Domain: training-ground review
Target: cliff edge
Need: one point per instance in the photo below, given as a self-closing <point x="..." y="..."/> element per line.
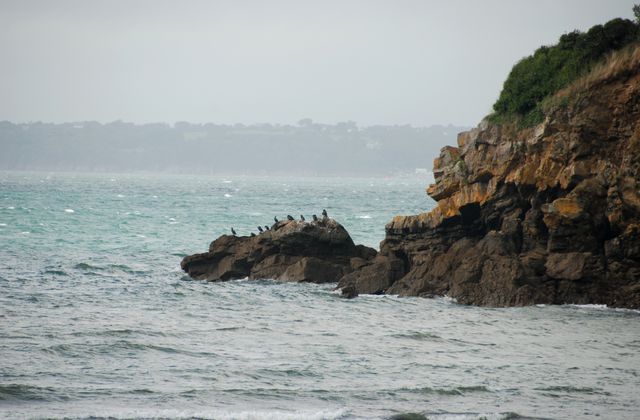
<point x="546" y="214"/>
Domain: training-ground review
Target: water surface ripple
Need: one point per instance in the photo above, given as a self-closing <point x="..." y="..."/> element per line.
<point x="97" y="320"/>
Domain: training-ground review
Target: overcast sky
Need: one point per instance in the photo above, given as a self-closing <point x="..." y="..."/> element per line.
<point x="374" y="62"/>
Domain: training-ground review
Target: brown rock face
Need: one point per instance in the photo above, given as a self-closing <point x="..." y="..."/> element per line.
<point x="549" y="214"/>
<point x="317" y="252"/>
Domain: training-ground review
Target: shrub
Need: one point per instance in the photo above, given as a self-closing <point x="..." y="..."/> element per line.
<point x="551" y="68"/>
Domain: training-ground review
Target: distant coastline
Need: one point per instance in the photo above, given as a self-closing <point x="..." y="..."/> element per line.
<point x="306" y="148"/>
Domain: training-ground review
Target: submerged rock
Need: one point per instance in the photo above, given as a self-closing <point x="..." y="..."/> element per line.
<point x="549" y="214"/>
<point x="319" y="252"/>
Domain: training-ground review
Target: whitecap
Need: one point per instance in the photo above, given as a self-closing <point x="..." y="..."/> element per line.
<point x="449" y="299"/>
<point x="3" y="224"/>
<point x="228" y="195"/>
<point x="120" y="196"/>
<point x="69" y="211"/>
<point x="590" y="306"/>
<point x="226" y="181"/>
<point x="11" y="208"/>
<point x="364" y="216"/>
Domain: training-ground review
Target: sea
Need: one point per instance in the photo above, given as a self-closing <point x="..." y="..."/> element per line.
<point x="98" y="321"/>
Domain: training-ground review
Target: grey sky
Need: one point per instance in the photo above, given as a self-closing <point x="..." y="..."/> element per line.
<point x="374" y="62"/>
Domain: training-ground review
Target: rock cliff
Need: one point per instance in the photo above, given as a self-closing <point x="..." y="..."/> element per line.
<point x="548" y="214"/>
<point x="319" y="252"/>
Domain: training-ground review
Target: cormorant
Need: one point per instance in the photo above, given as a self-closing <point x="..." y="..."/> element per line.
<point x="233" y="232"/>
<point x="275" y="219"/>
<point x="324" y="213"/>
<point x="253" y="234"/>
<point x="289" y="217"/>
<point x="315" y="218"/>
<point x="260" y="229"/>
<point x="267" y="227"/>
<point x="302" y="218"/>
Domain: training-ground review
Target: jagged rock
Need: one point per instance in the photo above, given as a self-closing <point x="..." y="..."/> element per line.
<point x="549" y="214"/>
<point x="319" y="252"/>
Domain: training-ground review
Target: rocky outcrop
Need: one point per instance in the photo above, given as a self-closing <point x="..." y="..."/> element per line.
<point x="319" y="252"/>
<point x="549" y="214"/>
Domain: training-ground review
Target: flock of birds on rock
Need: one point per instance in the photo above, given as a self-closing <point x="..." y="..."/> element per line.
<point x="289" y="218"/>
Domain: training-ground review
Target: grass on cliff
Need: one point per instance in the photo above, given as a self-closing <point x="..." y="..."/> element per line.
<point x="535" y="79"/>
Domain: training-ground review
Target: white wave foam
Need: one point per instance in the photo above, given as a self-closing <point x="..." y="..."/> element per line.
<point x="3" y="224"/>
<point x="449" y="299"/>
<point x="364" y="216"/>
<point x="120" y="196"/>
<point x="590" y="306"/>
<point x="226" y="181"/>
<point x="601" y="307"/>
<point x="11" y="208"/>
<point x="228" y="195"/>
<point x="69" y="211"/>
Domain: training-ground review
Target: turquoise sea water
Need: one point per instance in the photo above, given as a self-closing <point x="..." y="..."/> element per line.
<point x="97" y="320"/>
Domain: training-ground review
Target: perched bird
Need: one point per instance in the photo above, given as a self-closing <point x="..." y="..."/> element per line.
<point x="315" y="218"/>
<point x="233" y="232"/>
<point x="267" y="227"/>
<point x="289" y="217"/>
<point x="302" y="218"/>
<point x="275" y="219"/>
<point x="253" y="234"/>
<point x="324" y="213"/>
<point x="260" y="229"/>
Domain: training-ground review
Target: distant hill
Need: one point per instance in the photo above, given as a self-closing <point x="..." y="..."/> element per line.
<point x="306" y="148"/>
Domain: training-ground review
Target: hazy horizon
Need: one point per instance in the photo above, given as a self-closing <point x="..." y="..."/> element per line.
<point x="377" y="63"/>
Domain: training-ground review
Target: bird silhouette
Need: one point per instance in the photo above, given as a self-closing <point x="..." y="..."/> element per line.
<point x="260" y="229"/>
<point x="275" y="219"/>
<point x="253" y="234"/>
<point x="301" y="218"/>
<point x="233" y="232"/>
<point x="324" y="213"/>
<point x="289" y="217"/>
<point x="267" y="227"/>
<point x="315" y="218"/>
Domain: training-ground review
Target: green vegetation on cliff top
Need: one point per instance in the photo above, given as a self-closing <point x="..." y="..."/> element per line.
<point x="552" y="68"/>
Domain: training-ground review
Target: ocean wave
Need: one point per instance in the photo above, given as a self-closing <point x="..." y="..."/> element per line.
<point x="459" y="390"/>
<point x="55" y="272"/>
<point x="568" y="389"/>
<point x="24" y="392"/>
<point x="126" y="414"/>
<point x="111" y="268"/>
<point x="419" y="335"/>
<point x="600" y="307"/>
